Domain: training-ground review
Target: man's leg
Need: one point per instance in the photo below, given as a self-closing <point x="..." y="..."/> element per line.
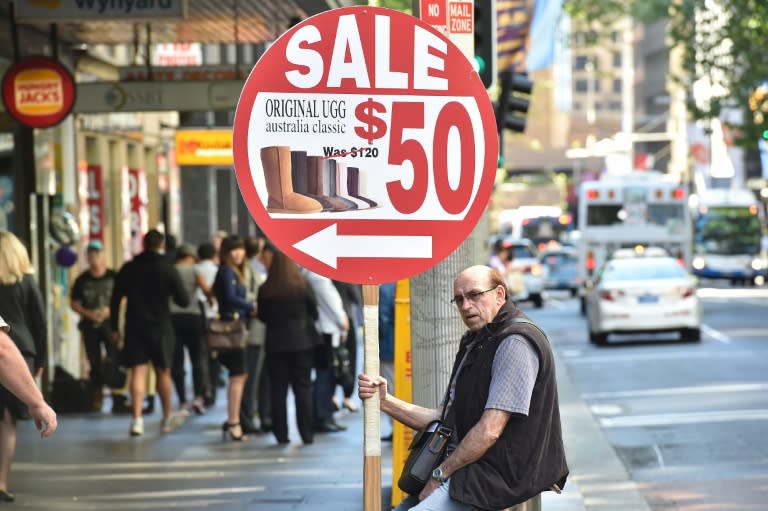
<point x="164" y="385"/>
<point x="439" y="500"/>
<point x="92" y="342"/>
<point x="138" y="387"/>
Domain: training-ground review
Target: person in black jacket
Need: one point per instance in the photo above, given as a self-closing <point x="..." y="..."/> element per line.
<point x="501" y="404"/>
<point x="287" y="306"/>
<point x="21" y="305"/>
<point x="148" y="282"/>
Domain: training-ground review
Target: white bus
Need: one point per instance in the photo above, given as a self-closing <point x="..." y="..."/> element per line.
<point x="727" y="236"/>
<point x="624" y="211"/>
<point x="540" y="224"/>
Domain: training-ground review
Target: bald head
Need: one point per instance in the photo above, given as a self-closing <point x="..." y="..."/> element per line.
<point x="479" y="292"/>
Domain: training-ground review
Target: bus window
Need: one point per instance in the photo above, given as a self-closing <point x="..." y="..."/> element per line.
<point x="604" y="214"/>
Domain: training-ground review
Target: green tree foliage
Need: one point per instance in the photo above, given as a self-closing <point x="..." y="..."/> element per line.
<point x="699" y="27"/>
<point x="398" y="5"/>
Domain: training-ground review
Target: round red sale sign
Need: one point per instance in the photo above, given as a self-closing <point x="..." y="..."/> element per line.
<point x="365" y="145"/>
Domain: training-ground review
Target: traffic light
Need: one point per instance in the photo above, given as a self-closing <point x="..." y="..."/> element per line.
<point x="765" y="134"/>
<point x="485" y="41"/>
<point x="514" y="100"/>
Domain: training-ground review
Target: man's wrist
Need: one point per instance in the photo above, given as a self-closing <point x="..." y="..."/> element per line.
<point x="439" y="475"/>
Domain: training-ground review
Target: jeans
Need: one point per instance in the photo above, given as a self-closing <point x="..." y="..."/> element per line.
<point x="325" y="383"/>
<point x="438" y="501"/>
<point x="188" y="329"/>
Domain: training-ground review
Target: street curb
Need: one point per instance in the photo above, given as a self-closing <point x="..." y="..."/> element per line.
<point x="596" y="470"/>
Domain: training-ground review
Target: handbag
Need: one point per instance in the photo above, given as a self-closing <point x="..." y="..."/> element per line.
<point x="226" y="335"/>
<point x="114" y="374"/>
<point x="426" y="452"/>
<point x="342" y="367"/>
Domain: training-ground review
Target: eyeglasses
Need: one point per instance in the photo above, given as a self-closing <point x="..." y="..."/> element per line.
<point x="472" y="296"/>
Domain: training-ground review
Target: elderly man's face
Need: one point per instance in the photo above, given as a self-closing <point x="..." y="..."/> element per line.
<point x="476" y="298"/>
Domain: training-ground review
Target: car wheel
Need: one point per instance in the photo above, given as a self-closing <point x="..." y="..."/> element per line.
<point x="598" y="339"/>
<point x="537" y="300"/>
<point x="690" y="335"/>
<point x="574" y="292"/>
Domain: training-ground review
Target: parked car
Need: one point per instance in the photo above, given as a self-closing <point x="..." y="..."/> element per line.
<point x="559" y="268"/>
<point x="642" y="295"/>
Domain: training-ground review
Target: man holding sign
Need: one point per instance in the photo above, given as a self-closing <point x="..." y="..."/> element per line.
<point x="501" y="405"/>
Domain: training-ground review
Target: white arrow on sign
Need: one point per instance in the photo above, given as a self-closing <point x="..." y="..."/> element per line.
<point x="326" y="246"/>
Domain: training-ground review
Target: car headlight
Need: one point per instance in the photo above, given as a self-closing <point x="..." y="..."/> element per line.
<point x="698" y="263"/>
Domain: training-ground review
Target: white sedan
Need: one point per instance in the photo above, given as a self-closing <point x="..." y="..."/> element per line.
<point x="643" y="295"/>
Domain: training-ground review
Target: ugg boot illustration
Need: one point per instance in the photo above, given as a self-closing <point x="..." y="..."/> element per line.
<point x="277" y="175"/>
<point x="300" y="179"/>
<point x="341" y="186"/>
<point x="315" y="184"/>
<point x="330" y="186"/>
<point x="353" y="186"/>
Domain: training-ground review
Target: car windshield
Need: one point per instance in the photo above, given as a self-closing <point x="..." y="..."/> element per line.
<point x="642" y="269"/>
<point x="555" y="259"/>
<point x="521" y="252"/>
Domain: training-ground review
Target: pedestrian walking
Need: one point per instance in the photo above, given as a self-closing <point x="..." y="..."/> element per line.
<point x="208" y="268"/>
<point x="90" y="298"/>
<point x="230" y="290"/>
<point x="255" y="275"/>
<point x="148" y="282"/>
<point x="189" y="329"/>
<point x="501" y="404"/>
<point x="352" y="299"/>
<point x="333" y="326"/>
<point x="21" y="305"/>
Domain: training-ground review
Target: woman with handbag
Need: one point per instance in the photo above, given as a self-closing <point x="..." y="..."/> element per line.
<point x="235" y="310"/>
<point x="21" y="305"/>
<point x="287" y="306"/>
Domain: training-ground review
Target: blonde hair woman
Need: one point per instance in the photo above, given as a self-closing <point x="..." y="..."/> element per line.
<point x="21" y="306"/>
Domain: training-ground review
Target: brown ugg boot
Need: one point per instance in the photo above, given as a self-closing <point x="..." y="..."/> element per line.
<point x="277" y="175"/>
<point x="300" y="178"/>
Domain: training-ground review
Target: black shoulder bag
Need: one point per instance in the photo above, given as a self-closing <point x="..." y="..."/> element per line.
<point x="426" y="452"/>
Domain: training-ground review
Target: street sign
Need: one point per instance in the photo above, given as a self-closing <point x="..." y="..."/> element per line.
<point x="365" y="145"/>
<point x="38" y="91"/>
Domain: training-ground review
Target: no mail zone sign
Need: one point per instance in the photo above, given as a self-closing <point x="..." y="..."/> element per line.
<point x="365" y="145"/>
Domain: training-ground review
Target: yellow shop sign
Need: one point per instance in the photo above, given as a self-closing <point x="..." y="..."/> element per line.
<point x="204" y="147"/>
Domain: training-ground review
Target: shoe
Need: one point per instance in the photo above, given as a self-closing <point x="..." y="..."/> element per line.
<point x="349" y="405"/>
<point x="329" y="427"/>
<point x="198" y="406"/>
<point x="6" y="496"/>
<point x="173" y="421"/>
<point x="387" y="438"/>
<point x="137" y="427"/>
<point x="249" y="427"/>
<point x="149" y="405"/>
<point x="227" y="428"/>
<point x="120" y="405"/>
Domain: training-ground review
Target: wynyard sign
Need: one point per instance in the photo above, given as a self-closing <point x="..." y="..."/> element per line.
<point x="81" y="10"/>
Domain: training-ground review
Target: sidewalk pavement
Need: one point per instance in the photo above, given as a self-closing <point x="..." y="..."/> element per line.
<point x="91" y="463"/>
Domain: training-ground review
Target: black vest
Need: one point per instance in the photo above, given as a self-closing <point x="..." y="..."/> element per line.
<point x="529" y="456"/>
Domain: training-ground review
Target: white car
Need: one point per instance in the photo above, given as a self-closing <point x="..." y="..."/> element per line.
<point x="525" y="268"/>
<point x="643" y="295"/>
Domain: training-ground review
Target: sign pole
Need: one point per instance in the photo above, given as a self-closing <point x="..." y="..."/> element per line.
<point x="371" y="407"/>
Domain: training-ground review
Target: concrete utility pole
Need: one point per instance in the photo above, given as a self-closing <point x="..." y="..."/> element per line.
<point x="435" y="325"/>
